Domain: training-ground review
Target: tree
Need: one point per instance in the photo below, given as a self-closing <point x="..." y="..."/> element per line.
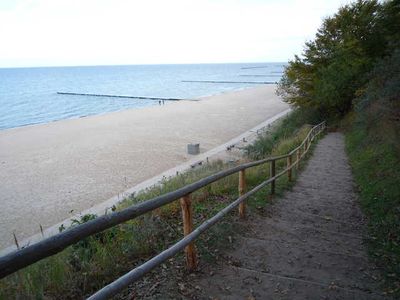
<point x="334" y="65"/>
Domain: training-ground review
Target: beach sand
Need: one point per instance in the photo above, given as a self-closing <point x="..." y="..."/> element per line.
<point x="53" y="171"/>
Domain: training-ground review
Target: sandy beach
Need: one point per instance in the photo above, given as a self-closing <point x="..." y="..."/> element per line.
<point x="53" y="171"/>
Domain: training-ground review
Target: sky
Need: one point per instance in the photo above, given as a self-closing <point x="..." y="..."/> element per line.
<point x="118" y="32"/>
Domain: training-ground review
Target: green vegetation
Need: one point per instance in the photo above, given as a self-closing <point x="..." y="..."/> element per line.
<point x="350" y="75"/>
<point x="88" y="265"/>
<point x="373" y="144"/>
<point x="334" y="66"/>
<point x="267" y="143"/>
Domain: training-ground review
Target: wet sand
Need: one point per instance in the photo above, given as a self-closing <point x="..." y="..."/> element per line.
<point x="53" y="171"/>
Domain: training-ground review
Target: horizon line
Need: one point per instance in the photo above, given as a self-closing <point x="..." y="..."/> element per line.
<point x="144" y="64"/>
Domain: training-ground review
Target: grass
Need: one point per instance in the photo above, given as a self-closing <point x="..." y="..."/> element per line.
<point x="88" y="265"/>
<point x="373" y="145"/>
<point x="285" y="131"/>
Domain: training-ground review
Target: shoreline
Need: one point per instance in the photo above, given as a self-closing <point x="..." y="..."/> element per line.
<point x="56" y="171"/>
<point x="198" y="98"/>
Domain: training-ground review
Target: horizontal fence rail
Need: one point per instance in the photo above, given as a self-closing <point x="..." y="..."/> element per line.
<point x="24" y="257"/>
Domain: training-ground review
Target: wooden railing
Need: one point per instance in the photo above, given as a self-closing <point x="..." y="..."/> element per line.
<point x="19" y="259"/>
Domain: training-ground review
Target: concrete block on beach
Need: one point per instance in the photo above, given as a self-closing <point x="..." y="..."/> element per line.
<point x="193" y="149"/>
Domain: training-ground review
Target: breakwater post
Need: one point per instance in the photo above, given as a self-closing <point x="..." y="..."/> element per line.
<point x="123" y="96"/>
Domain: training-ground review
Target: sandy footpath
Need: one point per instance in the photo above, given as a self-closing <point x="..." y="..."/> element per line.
<point x="53" y="171"/>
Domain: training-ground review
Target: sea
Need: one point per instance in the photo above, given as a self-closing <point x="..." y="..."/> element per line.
<point x="31" y="95"/>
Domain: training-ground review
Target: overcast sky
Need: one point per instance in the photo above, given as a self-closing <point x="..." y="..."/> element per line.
<point x="103" y="32"/>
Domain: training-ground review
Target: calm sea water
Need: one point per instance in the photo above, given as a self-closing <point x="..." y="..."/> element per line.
<point x="29" y="95"/>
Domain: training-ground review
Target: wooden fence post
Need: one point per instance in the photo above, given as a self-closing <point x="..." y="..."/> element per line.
<point x="272" y="174"/>
<point x="289" y="165"/>
<point x="190" y="250"/>
<point x="242" y="190"/>
<point x="298" y="159"/>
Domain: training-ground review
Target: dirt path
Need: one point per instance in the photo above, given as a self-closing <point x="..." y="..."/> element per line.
<point x="308" y="246"/>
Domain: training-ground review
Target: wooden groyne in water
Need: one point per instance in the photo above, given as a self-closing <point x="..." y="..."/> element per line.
<point x="255" y="67"/>
<point x="261" y="75"/>
<point x="161" y="98"/>
<point x="248" y="82"/>
<point x="124" y="96"/>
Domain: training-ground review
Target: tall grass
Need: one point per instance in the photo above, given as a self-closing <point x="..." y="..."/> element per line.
<point x="373" y="145"/>
<point x="285" y="129"/>
<point x="88" y="265"/>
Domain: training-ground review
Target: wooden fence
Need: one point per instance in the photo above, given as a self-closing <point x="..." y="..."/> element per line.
<point x="24" y="257"/>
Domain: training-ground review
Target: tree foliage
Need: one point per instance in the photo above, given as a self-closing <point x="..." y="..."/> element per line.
<point x="334" y="66"/>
